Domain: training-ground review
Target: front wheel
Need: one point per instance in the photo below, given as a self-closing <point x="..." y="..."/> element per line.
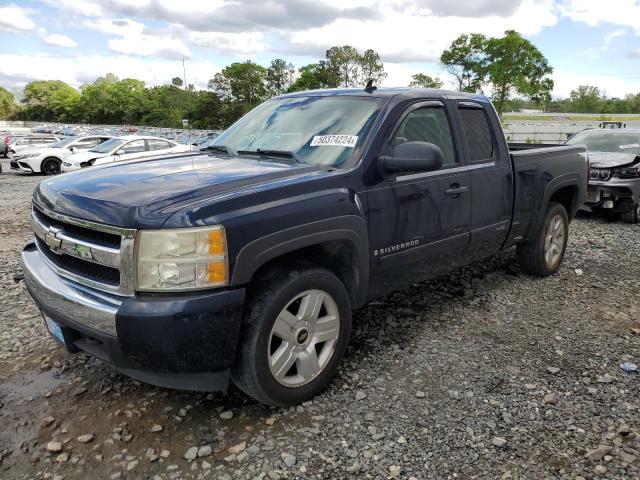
<point x="50" y="166"/>
<point x="543" y="256"/>
<point x="632" y="215"/>
<point x="295" y="331"/>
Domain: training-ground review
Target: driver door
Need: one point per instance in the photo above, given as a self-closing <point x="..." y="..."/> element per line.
<point x="419" y="222"/>
<point x="131" y="150"/>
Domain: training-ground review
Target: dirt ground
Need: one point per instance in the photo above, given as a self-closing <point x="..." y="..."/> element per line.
<point x="484" y="373"/>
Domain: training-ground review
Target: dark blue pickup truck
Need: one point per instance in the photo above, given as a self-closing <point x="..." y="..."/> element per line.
<point x="245" y="260"/>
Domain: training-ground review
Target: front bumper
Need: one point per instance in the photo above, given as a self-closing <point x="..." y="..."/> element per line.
<point x="624" y="193"/>
<point x="20" y="165"/>
<point x="186" y="341"/>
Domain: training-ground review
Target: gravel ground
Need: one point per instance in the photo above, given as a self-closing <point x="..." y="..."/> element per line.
<point x="485" y="373"/>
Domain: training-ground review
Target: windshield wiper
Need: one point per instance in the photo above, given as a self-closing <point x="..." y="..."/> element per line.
<point x="216" y="148"/>
<point x="272" y="153"/>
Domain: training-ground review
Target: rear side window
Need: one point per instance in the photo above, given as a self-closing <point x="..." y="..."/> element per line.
<point x="477" y="133"/>
<point x="155" y="144"/>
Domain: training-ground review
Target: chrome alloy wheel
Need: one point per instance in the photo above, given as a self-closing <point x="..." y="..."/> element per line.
<point x="554" y="240"/>
<point x="303" y="338"/>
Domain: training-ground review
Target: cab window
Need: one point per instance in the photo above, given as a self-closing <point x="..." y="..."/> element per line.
<point x="477" y="132"/>
<point x="135" y="146"/>
<point x="427" y="124"/>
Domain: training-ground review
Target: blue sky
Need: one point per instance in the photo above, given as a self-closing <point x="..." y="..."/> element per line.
<point x="586" y="41"/>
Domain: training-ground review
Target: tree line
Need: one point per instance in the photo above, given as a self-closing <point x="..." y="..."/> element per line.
<point x="517" y="73"/>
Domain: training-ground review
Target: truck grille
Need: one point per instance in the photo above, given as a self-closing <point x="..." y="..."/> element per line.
<point x="81" y="233"/>
<point x="100" y="256"/>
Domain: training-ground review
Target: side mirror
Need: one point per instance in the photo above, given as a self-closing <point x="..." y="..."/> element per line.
<point x="414" y="157"/>
<point x="120" y="152"/>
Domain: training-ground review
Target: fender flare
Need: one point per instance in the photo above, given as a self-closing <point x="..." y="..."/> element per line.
<point x="351" y="228"/>
<point x="566" y="180"/>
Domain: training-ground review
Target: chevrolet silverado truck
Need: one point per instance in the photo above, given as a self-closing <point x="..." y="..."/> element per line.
<point x="244" y="261"/>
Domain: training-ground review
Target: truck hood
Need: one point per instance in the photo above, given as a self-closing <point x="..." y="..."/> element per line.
<point x="144" y="194"/>
<point x="611" y="160"/>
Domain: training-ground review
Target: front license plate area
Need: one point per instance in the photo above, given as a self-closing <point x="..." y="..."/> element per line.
<point x="55" y="330"/>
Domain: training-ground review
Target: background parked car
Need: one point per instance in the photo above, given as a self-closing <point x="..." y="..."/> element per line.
<point x="17" y="143"/>
<point x="49" y="159"/>
<point x="614" y="179"/>
<point x="123" y="148"/>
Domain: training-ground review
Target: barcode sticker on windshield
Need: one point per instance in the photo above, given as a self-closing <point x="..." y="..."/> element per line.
<point x="335" y="140"/>
<point x="630" y="145"/>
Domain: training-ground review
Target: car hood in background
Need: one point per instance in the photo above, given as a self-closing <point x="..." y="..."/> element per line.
<point x="611" y="160"/>
<point x="145" y="193"/>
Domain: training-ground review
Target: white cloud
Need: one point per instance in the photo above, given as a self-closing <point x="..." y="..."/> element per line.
<point x="135" y="39"/>
<point x="611" y="85"/>
<point x="404" y="38"/>
<point x="14" y="18"/>
<point x="58" y="40"/>
<point x="595" y="12"/>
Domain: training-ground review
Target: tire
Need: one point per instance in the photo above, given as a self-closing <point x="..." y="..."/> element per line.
<point x="543" y="256"/>
<point x="274" y="311"/>
<point x="632" y="215"/>
<point x="50" y="166"/>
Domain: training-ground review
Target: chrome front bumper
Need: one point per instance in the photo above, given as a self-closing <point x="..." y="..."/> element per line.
<point x="80" y="305"/>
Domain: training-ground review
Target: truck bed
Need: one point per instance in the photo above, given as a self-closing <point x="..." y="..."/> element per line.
<point x="538" y="170"/>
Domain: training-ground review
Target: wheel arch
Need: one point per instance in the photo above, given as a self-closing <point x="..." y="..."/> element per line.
<point x="338" y="244"/>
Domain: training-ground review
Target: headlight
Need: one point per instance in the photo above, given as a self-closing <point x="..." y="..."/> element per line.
<point x="182" y="259"/>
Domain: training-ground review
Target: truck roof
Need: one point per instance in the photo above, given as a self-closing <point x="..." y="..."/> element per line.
<point x="388" y="92"/>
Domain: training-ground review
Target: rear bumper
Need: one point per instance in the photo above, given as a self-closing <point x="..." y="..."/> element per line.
<point x="185" y="341"/>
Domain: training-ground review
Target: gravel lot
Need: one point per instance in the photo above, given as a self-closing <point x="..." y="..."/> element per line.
<point x="486" y="373"/>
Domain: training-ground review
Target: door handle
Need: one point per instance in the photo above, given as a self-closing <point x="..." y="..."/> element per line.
<point x="455" y="190"/>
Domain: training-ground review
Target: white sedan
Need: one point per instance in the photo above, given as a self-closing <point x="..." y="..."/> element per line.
<point x="48" y="159"/>
<point x="118" y="149"/>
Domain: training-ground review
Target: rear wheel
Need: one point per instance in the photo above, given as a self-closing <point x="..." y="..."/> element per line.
<point x="544" y="254"/>
<point x="50" y="166"/>
<point x="632" y="215"/>
<point x="295" y="331"/>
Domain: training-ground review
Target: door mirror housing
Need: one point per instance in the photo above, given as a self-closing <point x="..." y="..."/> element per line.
<point x="413" y="157"/>
<point x="120" y="152"/>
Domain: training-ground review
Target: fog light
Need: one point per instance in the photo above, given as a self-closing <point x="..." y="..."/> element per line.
<point x="606" y="194"/>
<point x="608" y="204"/>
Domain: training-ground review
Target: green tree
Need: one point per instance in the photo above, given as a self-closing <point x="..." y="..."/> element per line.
<point x="7" y="103"/>
<point x="515" y="65"/>
<point x="347" y="62"/>
<point x="586" y="99"/>
<point x="466" y="61"/>
<point x="49" y="100"/>
<point x="113" y="101"/>
<point x="371" y="68"/>
<point x="176" y="82"/>
<point x="246" y="83"/>
<point x="420" y="80"/>
<point x="315" y="76"/>
<point x="279" y="76"/>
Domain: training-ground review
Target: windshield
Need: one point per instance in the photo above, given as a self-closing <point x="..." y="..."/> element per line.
<point x="106" y="147"/>
<point x="63" y="143"/>
<point x="314" y="130"/>
<point x="605" y="141"/>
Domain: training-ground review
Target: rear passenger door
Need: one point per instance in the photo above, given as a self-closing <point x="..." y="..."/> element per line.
<point x="419" y="223"/>
<point x="490" y="177"/>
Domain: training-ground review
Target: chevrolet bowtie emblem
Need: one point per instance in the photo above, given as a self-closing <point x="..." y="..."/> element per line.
<point x="51" y="239"/>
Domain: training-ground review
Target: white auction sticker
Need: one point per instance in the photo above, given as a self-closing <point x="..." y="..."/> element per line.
<point x="335" y="140"/>
<point x="630" y="145"/>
